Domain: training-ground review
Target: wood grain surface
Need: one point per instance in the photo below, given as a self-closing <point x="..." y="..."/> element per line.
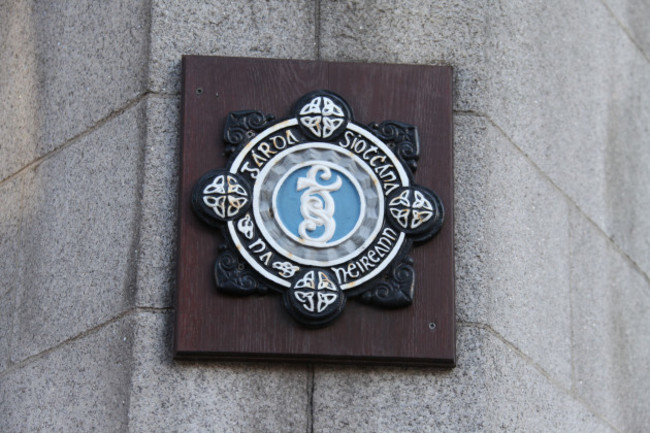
<point x="213" y="325"/>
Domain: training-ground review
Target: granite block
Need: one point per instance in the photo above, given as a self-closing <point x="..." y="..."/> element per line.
<point x="18" y="79"/>
<point x="197" y="397"/>
<point x="11" y="257"/>
<point x="82" y="386"/>
<point x="68" y="65"/>
<point x="7" y="308"/>
<point x="11" y="249"/>
<point x="245" y="28"/>
<point x="80" y="218"/>
<point x="158" y="223"/>
<point x="512" y="246"/>
<point x="491" y="389"/>
<point x="611" y="325"/>
<point x="633" y="17"/>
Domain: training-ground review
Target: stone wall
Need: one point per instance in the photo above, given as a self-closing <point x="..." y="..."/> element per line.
<point x="552" y="167"/>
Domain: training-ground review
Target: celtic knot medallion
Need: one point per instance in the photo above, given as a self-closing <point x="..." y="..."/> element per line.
<point x="225" y="196"/>
<point x="220" y="196"/>
<point x="415" y="210"/>
<point x="321" y="116"/>
<point x="318" y="208"/>
<point x="315" y="298"/>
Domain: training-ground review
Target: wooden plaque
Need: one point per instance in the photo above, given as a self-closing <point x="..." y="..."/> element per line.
<point x="214" y="325"/>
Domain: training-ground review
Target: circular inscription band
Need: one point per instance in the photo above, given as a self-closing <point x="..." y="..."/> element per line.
<point x="317" y="204"/>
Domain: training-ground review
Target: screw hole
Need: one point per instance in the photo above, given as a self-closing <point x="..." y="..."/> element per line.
<point x="199" y="90"/>
<point x="432" y="326"/>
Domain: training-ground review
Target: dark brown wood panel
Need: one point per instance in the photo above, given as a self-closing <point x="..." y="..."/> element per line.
<point x="212" y="325"/>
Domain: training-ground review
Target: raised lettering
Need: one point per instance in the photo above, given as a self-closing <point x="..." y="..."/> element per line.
<point x="291" y="139"/>
<point x="390" y="233"/>
<point x="352" y="270"/>
<point x="278" y="142"/>
<point x="265" y="258"/>
<point x="265" y="148"/>
<point x="258" y="159"/>
<point x="390" y="187"/>
<point x="369" y="260"/>
<point x="253" y="171"/>
<point x="383" y="246"/>
<point x="359" y="146"/>
<point x="386" y="171"/>
<point x="364" y="260"/>
<point x="259" y="243"/>
<point x="373" y="149"/>
<point x="348" y="139"/>
<point x="341" y="275"/>
<point x="373" y="163"/>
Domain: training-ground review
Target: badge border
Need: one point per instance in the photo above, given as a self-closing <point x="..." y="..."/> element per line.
<point x="391" y="274"/>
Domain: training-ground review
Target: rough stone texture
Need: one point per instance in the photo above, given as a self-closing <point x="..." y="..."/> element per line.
<point x="633" y="16"/>
<point x="7" y="308"/>
<point x="81" y="387"/>
<point x="10" y="248"/>
<point x="627" y="161"/>
<point x="157" y="250"/>
<point x="18" y="78"/>
<point x="412" y="31"/>
<point x="491" y="389"/>
<point x="611" y="316"/>
<point x="65" y="65"/>
<point x="217" y="397"/>
<point x="11" y="256"/>
<point x="79" y="227"/>
<point x="248" y="28"/>
<point x="543" y="72"/>
<point x="511" y="246"/>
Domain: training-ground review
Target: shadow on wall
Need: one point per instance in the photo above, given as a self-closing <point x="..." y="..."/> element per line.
<point x="19" y="78"/>
<point x="627" y="160"/>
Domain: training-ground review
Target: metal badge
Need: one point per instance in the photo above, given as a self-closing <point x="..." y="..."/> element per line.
<point x="318" y="208"/>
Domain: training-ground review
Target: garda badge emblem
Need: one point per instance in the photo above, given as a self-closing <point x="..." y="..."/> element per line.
<point x="318" y="208"/>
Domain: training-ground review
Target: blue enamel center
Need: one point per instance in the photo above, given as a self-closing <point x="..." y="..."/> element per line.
<point x="346" y="203"/>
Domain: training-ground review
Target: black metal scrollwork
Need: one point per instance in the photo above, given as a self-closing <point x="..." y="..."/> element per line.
<point x="234" y="277"/>
<point x="394" y="291"/>
<point x="402" y="138"/>
<point x="241" y="126"/>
